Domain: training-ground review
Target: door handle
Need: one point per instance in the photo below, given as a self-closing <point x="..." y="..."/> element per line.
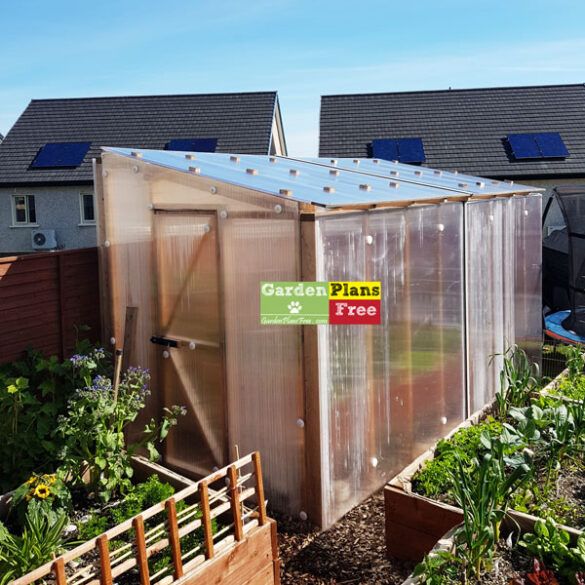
<point x="190" y="343"/>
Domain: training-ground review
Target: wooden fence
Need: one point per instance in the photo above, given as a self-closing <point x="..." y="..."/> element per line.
<point x="45" y="299"/>
<point x="210" y="533"/>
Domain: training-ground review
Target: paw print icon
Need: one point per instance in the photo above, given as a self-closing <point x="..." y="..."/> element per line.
<point x="294" y="307"/>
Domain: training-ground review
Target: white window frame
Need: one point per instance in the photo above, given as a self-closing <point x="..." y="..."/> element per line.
<point x="28" y="222"/>
<point x="82" y="220"/>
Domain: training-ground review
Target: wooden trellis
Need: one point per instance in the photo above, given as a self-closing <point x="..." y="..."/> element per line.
<point x="238" y="506"/>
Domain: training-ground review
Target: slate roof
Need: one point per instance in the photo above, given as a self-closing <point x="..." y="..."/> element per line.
<point x="242" y="123"/>
<point x="462" y="129"/>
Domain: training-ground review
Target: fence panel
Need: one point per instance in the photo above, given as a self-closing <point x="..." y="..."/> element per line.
<point x="47" y="301"/>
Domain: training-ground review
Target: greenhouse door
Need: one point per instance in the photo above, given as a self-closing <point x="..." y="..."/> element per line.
<point x="190" y="334"/>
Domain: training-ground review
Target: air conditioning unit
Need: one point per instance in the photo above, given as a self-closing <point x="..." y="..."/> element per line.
<point x="44" y="240"/>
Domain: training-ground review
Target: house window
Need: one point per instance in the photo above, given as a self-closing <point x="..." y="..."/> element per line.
<point x="87" y="208"/>
<point x="24" y="210"/>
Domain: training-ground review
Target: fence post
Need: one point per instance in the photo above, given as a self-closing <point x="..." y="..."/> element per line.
<point x="59" y="571"/>
<point x="235" y="503"/>
<point x="105" y="567"/>
<point x="206" y="519"/>
<point x="138" y="524"/>
<point x="259" y="488"/>
<point x="174" y="538"/>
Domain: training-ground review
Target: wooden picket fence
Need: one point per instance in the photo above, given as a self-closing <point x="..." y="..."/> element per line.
<point x="237" y="507"/>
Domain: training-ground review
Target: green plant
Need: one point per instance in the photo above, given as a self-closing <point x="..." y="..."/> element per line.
<point x="482" y="490"/>
<point x="46" y="487"/>
<point x="92" y="527"/>
<point x="434" y="479"/>
<point x="93" y="431"/>
<point x="33" y="393"/>
<point x="141" y="497"/>
<point x="518" y="378"/>
<point x="438" y="568"/>
<point x="551" y="544"/>
<point x="41" y="539"/>
<point x="574" y="358"/>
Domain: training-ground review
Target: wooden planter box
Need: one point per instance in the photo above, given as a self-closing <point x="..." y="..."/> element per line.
<point x="526" y="525"/>
<point x="415" y="523"/>
<point x="243" y="549"/>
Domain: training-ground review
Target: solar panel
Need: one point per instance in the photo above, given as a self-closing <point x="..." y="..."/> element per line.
<point x="411" y="150"/>
<point x="404" y="150"/>
<point x="60" y="155"/>
<point x="192" y="144"/>
<point x="537" y="145"/>
<point x="551" y="145"/>
<point x="385" y="148"/>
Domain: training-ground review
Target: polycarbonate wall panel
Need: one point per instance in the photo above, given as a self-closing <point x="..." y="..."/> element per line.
<point x="265" y="396"/>
<point x="389" y="391"/>
<point x="347" y="415"/>
<point x="490" y="287"/>
<point x="126" y="246"/>
<point x="527" y="213"/>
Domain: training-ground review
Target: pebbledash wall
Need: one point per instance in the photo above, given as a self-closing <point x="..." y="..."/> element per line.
<point x="56" y="208"/>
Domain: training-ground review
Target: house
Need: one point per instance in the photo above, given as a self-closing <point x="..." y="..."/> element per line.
<point x="524" y="134"/>
<point x="46" y="179"/>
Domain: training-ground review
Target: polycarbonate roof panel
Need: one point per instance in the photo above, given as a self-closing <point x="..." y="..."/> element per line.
<point x="454" y="182"/>
<point x="330" y="186"/>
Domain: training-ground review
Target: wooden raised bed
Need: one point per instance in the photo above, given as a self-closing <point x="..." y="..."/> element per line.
<point x="243" y="549"/>
<point x="414" y="523"/>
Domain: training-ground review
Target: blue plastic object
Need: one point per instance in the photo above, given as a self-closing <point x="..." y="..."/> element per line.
<point x="60" y="155"/>
<point x="538" y="145"/>
<point x="404" y="150"/>
<point x="553" y="325"/>
<point x="192" y="144"/>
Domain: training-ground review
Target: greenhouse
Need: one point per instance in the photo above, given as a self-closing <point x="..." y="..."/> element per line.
<point x="186" y="239"/>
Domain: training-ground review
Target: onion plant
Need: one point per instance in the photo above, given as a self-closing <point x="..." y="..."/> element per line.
<point x="482" y="490"/>
<point x="519" y="377"/>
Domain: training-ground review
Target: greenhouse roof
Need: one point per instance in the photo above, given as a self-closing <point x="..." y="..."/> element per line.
<point x="330" y="183"/>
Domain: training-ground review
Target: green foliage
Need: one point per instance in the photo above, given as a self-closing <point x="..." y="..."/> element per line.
<point x="575" y="359"/>
<point x="40" y="540"/>
<point x="435" y="477"/>
<point x="518" y="379"/>
<point x="93" y="431"/>
<point x="572" y="388"/>
<point x="143" y="496"/>
<point x="482" y="490"/>
<point x="438" y="568"/>
<point x="33" y="393"/>
<point x="46" y="487"/>
<point x="551" y="544"/>
<point x="95" y="525"/>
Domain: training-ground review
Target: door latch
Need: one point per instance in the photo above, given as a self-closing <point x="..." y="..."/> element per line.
<point x="164" y="341"/>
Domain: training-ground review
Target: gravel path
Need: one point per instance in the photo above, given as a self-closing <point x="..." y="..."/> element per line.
<point x="350" y="553"/>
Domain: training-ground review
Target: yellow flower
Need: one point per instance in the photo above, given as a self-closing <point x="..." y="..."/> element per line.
<point x="42" y="491"/>
<point x="50" y="479"/>
<point x="31" y="480"/>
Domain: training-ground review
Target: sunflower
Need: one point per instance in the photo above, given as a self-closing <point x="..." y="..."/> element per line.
<point x="31" y="480"/>
<point x="50" y="479"/>
<point x="42" y="491"/>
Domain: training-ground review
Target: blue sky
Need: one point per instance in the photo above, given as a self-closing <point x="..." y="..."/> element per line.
<point x="301" y="48"/>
